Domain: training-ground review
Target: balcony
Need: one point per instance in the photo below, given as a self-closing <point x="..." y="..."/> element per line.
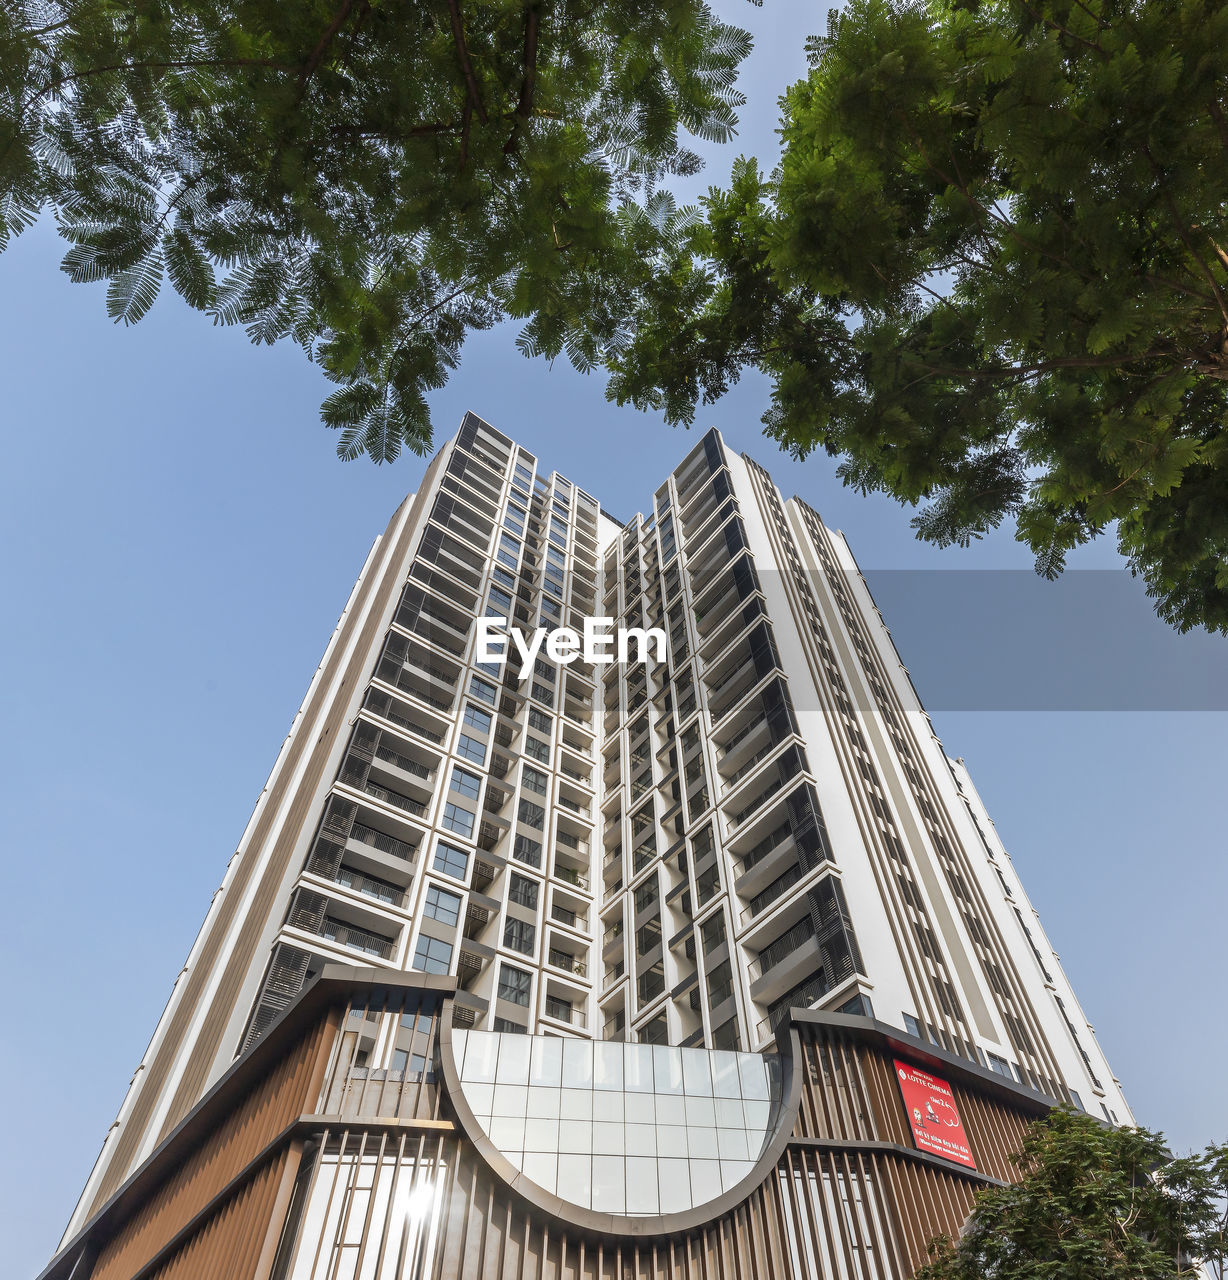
<point x="763" y="861"/>
<point x="356" y="939"/>
<point x="402" y="849"/>
<point x="567" y="962"/>
<point x="410" y="768"/>
<point x="386" y="707"/>
<point x="370" y="886"/>
<point x="395" y="798"/>
<point x="568" y="916"/>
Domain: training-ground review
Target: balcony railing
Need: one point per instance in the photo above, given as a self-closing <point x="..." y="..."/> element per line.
<point x="561" y="1010"/>
<point x="386" y="844"/>
<point x="395" y="798"/>
<point x="757" y="852"/>
<point x="403" y="762"/>
<point x="566" y="961"/>
<point x="779" y="950"/>
<point x="564" y="915"/>
<point x="348" y="935"/>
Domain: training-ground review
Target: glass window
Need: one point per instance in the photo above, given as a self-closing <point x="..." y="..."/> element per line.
<point x="476" y="718"/>
<point x="482" y="690"/>
<point x="502" y="577"/>
<point x="471" y="749"/>
<point x="442" y="905"/>
<point x="551" y="608"/>
<point x="451" y="860"/>
<point x="527" y="850"/>
<point x="499" y="600"/>
<point x="433" y="955"/>
<point x="534" y="780"/>
<point x="532" y="815"/>
<point x="457" y="819"/>
<point x="536" y="748"/>
<point x="520" y="935"/>
<point x="539" y="720"/>
<point x="542" y="694"/>
<point x="523" y="890"/>
<point x="514" y="985"/>
<point x="466" y="783"/>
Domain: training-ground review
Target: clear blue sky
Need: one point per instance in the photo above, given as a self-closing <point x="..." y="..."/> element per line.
<point x="179" y="540"/>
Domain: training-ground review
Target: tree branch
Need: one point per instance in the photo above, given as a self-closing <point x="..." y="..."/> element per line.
<point x="462" y="52"/>
<point x="524" y="108"/>
<point x="317" y="54"/>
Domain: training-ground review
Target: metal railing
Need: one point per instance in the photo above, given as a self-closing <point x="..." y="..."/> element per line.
<point x="348" y="935"/>
<point x="395" y="798"/>
<point x="386" y="844"/>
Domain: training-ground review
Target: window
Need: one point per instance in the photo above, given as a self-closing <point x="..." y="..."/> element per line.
<point x="541" y="694"/>
<point x="537" y="749"/>
<point x="433" y="955"/>
<point x="1000" y="1065"/>
<point x="555" y="556"/>
<point x="509" y="552"/>
<point x="513" y="521"/>
<point x="506" y="1025"/>
<point x="457" y="819"/>
<point x="912" y="1026"/>
<point x="534" y="780"/>
<point x="466" y="783"/>
<point x="1077" y="1100"/>
<point x="499" y="600"/>
<point x="647" y="893"/>
<point x="520" y="935"/>
<point x="523" y="890"/>
<point x="504" y="578"/>
<point x="514" y="985"/>
<point x="476" y="718"/>
<point x="471" y="749"/>
<point x="527" y="851"/>
<point x="483" y="690"/>
<point x="451" y="860"/>
<point x="551" y="608"/>
<point x="532" y="815"/>
<point x="441" y="905"/>
<point x="539" y="720"/>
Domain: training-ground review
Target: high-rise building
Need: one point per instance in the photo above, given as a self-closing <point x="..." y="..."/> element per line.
<point x="650" y="867"/>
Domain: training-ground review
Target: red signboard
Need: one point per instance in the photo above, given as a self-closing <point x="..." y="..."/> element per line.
<point x="935" y="1121"/>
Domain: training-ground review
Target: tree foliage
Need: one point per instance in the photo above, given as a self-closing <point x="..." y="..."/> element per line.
<point x="990" y="273"/>
<point x="373" y="179"/>
<point x="1094" y="1203"/>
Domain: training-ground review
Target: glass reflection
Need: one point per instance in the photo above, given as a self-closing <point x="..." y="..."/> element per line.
<point x="630" y="1129"/>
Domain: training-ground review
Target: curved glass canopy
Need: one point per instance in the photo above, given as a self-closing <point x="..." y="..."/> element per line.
<point x="632" y="1129"/>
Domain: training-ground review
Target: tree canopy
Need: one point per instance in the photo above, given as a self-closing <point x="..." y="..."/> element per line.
<point x="990" y="273"/>
<point x="372" y="180"/>
<point x="1094" y="1203"/>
